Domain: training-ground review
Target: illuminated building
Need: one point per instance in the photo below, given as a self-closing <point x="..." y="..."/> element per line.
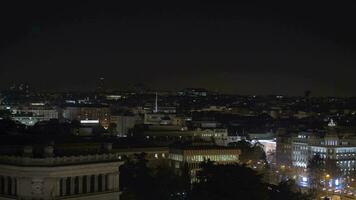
<point x="88" y="112"/>
<point x="329" y="147"/>
<point x="87" y="127"/>
<point x="39" y="111"/>
<point x="216" y="136"/>
<point x="26" y="119"/>
<point x="332" y="147"/>
<point x="193" y="92"/>
<point x="192" y="156"/>
<point x="124" y="123"/>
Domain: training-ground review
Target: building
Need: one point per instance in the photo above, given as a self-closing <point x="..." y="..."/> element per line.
<point x="193" y="92"/>
<point x="88" y="112"/>
<point x="284" y="148"/>
<point x="338" y="147"/>
<point x="37" y="111"/>
<point x="162" y="119"/>
<point x="53" y="177"/>
<point x="335" y="146"/>
<point x="218" y="136"/>
<point x="192" y="156"/>
<point x="124" y="123"/>
<point x="87" y="128"/>
<point x="26" y="119"/>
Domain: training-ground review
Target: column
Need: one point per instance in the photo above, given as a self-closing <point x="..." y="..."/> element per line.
<point x="103" y="182"/>
<point x="88" y="183"/>
<point x="1" y="184"/>
<point x="13" y="185"/>
<point x="111" y="178"/>
<point x="116" y="182"/>
<point x="6" y="185"/>
<point x="58" y="187"/>
<point x="80" y="184"/>
<point x="72" y="188"/>
<point x="96" y="183"/>
<point x="64" y="186"/>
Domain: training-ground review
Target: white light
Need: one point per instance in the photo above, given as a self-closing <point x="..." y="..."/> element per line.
<point x="337" y="182"/>
<point x="331" y="123"/>
<point x="37" y="104"/>
<point x="304" y="179"/>
<point x="89" y="121"/>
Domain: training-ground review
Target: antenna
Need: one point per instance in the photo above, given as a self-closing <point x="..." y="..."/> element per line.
<point x="156" y="104"/>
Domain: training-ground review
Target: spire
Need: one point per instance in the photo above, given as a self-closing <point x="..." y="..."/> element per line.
<point x="156" y="104"/>
<point x="332" y="124"/>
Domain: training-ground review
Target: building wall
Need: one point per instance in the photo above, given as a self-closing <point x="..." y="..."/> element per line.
<point x="123" y="123"/>
<point x="63" y="181"/>
<point x="330" y="148"/>
<point x="81" y="113"/>
<point x="191" y="158"/>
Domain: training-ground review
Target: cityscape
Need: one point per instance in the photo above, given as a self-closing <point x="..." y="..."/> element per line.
<point x="177" y="101"/>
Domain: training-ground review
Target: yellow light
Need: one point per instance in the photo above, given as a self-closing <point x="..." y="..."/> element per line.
<point x="327" y="176"/>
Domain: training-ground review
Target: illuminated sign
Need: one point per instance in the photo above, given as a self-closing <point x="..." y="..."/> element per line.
<point x="37" y="104"/>
<point x="87" y="121"/>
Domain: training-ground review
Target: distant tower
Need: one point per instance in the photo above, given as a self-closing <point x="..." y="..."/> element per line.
<point x="156" y="104"/>
<point x="101" y="85"/>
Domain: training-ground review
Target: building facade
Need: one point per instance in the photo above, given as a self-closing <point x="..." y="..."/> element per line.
<point x="75" y="177"/>
<point x="190" y="157"/>
<point x="339" y="148"/>
<point x="88" y="112"/>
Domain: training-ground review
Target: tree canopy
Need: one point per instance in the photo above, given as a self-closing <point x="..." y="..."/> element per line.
<point x="234" y="181"/>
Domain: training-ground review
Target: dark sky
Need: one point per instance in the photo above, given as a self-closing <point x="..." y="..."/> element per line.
<point x="250" y="48"/>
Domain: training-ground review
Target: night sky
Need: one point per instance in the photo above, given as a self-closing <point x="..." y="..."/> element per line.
<point x="260" y="48"/>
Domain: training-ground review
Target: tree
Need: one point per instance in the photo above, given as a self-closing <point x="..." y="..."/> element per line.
<point x="316" y="170"/>
<point x="251" y="153"/>
<point x="167" y="184"/>
<point x="5" y="114"/>
<point x="139" y="182"/>
<point x="51" y="128"/>
<point x="225" y="182"/>
<point x="112" y="128"/>
<point x="233" y="181"/>
<point x="8" y="126"/>
<point x="287" y="190"/>
<point x="331" y="168"/>
<point x="75" y="124"/>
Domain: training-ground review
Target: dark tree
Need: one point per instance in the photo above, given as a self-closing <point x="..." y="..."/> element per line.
<point x="250" y="153"/>
<point x="7" y="126"/>
<point x="225" y="182"/>
<point x="233" y="181"/>
<point x="112" y="128"/>
<point x="139" y="182"/>
<point x="316" y="170"/>
<point x="287" y="190"/>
